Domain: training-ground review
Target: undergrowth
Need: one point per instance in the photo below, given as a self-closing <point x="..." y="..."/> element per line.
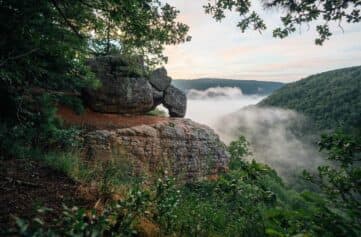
<point x="249" y="200"/>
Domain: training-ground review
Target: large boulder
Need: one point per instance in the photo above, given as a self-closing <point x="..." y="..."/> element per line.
<point x="117" y="65"/>
<point x="122" y="89"/>
<point x="187" y="150"/>
<point x="175" y="101"/>
<point x="159" y="79"/>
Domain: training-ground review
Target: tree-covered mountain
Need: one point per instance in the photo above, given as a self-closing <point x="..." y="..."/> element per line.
<point x="247" y="86"/>
<point x="331" y="99"/>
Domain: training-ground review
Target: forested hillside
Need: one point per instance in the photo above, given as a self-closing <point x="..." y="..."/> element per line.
<point x="331" y="99"/>
<point x="247" y="86"/>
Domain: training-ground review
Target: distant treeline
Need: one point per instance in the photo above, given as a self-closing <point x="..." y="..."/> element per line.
<point x="332" y="99"/>
<point x="247" y="86"/>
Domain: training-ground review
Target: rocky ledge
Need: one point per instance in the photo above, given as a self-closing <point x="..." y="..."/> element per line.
<point x="187" y="150"/>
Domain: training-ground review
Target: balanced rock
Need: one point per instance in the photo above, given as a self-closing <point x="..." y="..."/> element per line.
<point x="175" y="101"/>
<point x="187" y="150"/>
<point x="122" y="90"/>
<point x="159" y="79"/>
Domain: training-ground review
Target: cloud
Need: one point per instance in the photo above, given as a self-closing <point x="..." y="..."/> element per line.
<point x="215" y="93"/>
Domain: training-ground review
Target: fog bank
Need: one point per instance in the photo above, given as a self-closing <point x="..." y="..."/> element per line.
<point x="276" y="136"/>
<point x="210" y="105"/>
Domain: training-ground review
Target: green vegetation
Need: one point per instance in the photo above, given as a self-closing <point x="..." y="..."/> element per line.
<point x="44" y="50"/>
<point x="157" y="112"/>
<point x="295" y="14"/>
<point x="332" y="99"/>
<point x="247" y="87"/>
<point x="249" y="200"/>
<point x="109" y="176"/>
<point x="45" y="46"/>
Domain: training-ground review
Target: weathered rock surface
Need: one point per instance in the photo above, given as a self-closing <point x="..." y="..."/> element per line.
<point x="185" y="149"/>
<point x="122" y="91"/>
<point x="122" y="95"/>
<point x="175" y="101"/>
<point x="159" y="79"/>
<point x="116" y="65"/>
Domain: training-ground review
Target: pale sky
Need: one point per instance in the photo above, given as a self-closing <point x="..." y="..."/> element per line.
<point x="221" y="50"/>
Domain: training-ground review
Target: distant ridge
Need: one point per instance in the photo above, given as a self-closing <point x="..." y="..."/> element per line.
<point x="332" y="99"/>
<point x="248" y="87"/>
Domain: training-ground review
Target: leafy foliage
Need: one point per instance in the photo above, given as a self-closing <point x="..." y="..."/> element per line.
<point x="341" y="183"/>
<point x="296" y="13"/>
<point x="249" y="200"/>
<point x="332" y="99"/>
<point x="45" y="46"/>
<point x="118" y="219"/>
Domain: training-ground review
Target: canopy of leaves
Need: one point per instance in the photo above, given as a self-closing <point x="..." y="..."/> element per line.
<point x="296" y="13"/>
<point x="332" y="99"/>
<point x="45" y="43"/>
<point x="44" y="46"/>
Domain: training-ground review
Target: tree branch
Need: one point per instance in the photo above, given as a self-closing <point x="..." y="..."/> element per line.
<point x="18" y="56"/>
<point x="72" y="27"/>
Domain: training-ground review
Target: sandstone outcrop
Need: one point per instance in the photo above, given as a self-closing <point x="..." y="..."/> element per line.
<point x="187" y="150"/>
<point x="125" y="91"/>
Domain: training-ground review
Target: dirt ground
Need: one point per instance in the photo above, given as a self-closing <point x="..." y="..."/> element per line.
<point x="26" y="185"/>
<point x="94" y="120"/>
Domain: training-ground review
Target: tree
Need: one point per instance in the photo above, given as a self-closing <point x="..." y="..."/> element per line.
<point x="44" y="46"/>
<point x="297" y="12"/>
<point x="341" y="182"/>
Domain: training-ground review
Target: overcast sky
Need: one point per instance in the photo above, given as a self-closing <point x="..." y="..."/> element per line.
<point x="221" y="50"/>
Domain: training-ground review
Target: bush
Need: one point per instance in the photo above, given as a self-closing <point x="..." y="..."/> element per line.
<point x="249" y="200"/>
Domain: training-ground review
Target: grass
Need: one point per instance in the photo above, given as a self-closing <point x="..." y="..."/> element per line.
<point x="249" y="200"/>
<point x="157" y="112"/>
<point x="110" y="176"/>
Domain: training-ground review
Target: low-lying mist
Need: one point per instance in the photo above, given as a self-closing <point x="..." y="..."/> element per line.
<point x="210" y="105"/>
<point x="283" y="139"/>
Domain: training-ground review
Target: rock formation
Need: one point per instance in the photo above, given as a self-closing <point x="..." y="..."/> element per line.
<point x="185" y="149"/>
<point x="125" y="91"/>
<point x="116" y="128"/>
